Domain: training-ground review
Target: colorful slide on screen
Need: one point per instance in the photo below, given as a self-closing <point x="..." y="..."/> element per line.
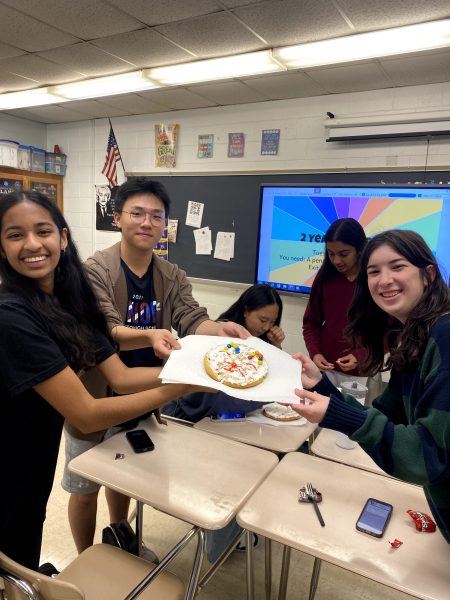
<point x="294" y="222"/>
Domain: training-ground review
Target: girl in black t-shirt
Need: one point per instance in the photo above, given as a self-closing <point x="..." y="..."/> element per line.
<point x="51" y="328"/>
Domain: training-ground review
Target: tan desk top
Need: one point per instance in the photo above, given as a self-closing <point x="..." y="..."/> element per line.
<point x="282" y="438"/>
<point x="200" y="478"/>
<point x="325" y="446"/>
<point x="420" y="567"/>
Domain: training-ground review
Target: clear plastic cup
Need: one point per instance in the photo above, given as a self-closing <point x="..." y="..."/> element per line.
<point x="355" y="389"/>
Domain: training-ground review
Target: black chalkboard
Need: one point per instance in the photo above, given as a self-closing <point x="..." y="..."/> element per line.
<point x="232" y="203"/>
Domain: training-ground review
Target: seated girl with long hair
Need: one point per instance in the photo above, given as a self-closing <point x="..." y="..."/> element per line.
<point x="259" y="310"/>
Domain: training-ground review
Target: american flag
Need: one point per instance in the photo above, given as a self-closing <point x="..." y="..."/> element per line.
<point x="112" y="156"/>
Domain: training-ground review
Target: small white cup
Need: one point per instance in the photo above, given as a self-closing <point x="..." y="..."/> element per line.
<point x="343" y="441"/>
<point x="355" y="389"/>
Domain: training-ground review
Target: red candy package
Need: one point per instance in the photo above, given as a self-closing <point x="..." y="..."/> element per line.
<point x="396" y="543"/>
<point x="423" y="521"/>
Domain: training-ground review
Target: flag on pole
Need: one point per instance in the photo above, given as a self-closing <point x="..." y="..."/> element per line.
<point x="112" y="156"/>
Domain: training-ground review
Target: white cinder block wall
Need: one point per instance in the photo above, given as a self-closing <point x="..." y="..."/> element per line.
<point x="302" y="146"/>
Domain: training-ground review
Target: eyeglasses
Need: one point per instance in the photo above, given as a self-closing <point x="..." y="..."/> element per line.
<point x="139" y="216"/>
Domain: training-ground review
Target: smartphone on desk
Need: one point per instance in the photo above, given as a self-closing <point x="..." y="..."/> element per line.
<point x="374" y="517"/>
<point x="140" y="441"/>
<point x="228" y="416"/>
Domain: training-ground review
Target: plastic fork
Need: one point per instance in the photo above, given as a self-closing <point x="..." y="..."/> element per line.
<point x="312" y="498"/>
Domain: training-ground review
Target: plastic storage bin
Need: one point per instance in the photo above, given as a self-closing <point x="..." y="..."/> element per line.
<point x="37" y="159"/>
<point x="55" y="168"/>
<point x="55" y="157"/>
<point x="24" y="157"/>
<point x="8" y="153"/>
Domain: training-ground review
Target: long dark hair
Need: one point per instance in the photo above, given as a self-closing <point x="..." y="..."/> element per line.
<point x="369" y="325"/>
<point x="71" y="312"/>
<point x="348" y="231"/>
<point x="254" y="297"/>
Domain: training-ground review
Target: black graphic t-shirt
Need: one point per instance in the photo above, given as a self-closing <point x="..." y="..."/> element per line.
<point x="142" y="307"/>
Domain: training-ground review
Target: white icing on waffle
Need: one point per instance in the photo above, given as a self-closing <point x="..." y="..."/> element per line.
<point x="237" y="368"/>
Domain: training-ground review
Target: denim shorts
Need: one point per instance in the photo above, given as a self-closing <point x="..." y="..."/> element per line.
<point x="72" y="483"/>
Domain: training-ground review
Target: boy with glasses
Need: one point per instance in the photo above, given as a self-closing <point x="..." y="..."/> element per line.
<point x="143" y="297"/>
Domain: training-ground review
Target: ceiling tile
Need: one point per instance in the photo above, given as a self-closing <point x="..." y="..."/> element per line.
<point x="369" y="16"/>
<point x="134" y="103"/>
<point x="30" y="34"/>
<point x="228" y="92"/>
<point x="49" y="114"/>
<point x="286" y="22"/>
<point x="94" y="108"/>
<point x="167" y="11"/>
<point x="235" y="3"/>
<point x="87" y="59"/>
<point x="7" y="51"/>
<point x="418" y="70"/>
<point x="281" y="86"/>
<point x="350" y="78"/>
<point x="40" y="44"/>
<point x="177" y="98"/>
<point x="34" y="67"/>
<point x="213" y="35"/>
<point x="85" y="19"/>
<point x="14" y="83"/>
<point x="144" y="48"/>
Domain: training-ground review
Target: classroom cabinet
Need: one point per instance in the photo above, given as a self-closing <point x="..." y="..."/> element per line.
<point x="17" y="179"/>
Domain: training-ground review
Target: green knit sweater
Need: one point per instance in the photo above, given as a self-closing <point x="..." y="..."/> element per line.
<point x="407" y="430"/>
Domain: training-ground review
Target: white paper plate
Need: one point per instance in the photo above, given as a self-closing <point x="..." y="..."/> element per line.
<point x="186" y="366"/>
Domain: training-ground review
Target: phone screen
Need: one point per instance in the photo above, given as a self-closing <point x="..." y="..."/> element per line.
<point x="234" y="416"/>
<point x="139" y="440"/>
<point x="374" y="517"/>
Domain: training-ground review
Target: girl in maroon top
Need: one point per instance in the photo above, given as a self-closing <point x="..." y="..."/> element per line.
<point x="325" y="316"/>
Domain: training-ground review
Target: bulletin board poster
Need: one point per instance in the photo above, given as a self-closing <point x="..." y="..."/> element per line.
<point x="10" y="185"/>
<point x="104" y="209"/>
<point x="162" y="247"/>
<point x="49" y="189"/>
<point x="205" y="146"/>
<point x="166" y="137"/>
<point x="270" y="142"/>
<point x="236" y="145"/>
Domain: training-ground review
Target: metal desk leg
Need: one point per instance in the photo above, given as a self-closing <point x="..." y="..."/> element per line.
<point x="139" y="523"/>
<point x="192" y="587"/>
<point x="249" y="557"/>
<point x="284" y="573"/>
<point x="162" y="565"/>
<point x="219" y="562"/>
<point x="314" y="578"/>
<point x="268" y="569"/>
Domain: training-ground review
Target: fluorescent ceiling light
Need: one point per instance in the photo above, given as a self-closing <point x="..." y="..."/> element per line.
<point x="36" y="97"/>
<point x="252" y="63"/>
<point x="389" y="42"/>
<point x="104" y="86"/>
<point x="400" y="40"/>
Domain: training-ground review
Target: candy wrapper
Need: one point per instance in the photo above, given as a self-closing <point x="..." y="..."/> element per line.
<point x="303" y="496"/>
<point x="423" y="521"/>
<point x="396" y="543"/>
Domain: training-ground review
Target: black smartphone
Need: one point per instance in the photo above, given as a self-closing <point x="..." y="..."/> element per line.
<point x="228" y="416"/>
<point x="139" y="440"/>
<point x="374" y="517"/>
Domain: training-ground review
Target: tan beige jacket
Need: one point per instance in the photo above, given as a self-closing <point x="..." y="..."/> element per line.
<point x="178" y="310"/>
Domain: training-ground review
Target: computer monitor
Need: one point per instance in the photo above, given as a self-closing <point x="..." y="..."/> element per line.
<point x="294" y="219"/>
